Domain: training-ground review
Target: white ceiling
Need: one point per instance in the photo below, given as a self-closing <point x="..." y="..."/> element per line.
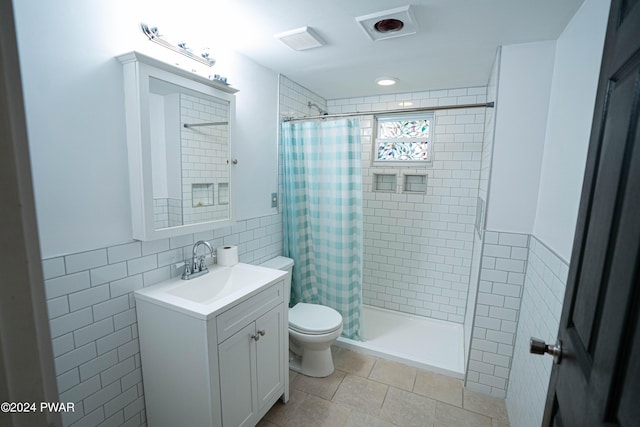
<point x="454" y="47"/>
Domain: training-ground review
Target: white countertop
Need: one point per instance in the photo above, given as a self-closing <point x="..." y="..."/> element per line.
<point x="208" y="295"/>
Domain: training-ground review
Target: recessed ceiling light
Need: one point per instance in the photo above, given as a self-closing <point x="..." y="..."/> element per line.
<point x="300" y="39"/>
<point x="387" y="81"/>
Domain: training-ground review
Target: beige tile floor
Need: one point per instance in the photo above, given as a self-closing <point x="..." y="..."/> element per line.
<point x="366" y="391"/>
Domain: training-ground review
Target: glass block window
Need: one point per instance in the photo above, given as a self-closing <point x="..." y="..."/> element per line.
<point x="405" y="138"/>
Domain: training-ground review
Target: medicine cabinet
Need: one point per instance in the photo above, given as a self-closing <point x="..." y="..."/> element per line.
<point x="180" y="129"/>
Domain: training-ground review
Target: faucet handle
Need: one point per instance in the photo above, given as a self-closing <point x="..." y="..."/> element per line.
<point x="201" y="264"/>
<point x="187" y="269"/>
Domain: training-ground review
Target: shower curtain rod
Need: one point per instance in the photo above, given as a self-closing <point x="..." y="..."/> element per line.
<point x="402" y="111"/>
<point x="196" y="125"/>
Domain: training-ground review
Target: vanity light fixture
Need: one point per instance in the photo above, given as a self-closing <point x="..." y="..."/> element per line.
<point x="300" y="39"/>
<point x="154" y="35"/>
<point x="387" y="81"/>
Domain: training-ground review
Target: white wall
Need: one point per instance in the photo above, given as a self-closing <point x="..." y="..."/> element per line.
<point x="521" y="116"/>
<point x="75" y="116"/>
<point x="257" y="136"/>
<point x="573" y="93"/>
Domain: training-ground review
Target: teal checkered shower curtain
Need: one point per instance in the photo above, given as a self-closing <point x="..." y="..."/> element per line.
<point x="323" y="215"/>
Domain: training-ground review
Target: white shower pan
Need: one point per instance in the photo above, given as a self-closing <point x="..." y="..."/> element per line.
<point x="431" y="344"/>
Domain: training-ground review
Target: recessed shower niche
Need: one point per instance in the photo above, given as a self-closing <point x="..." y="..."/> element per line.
<point x="385" y="182"/>
<point x="201" y="195"/>
<point x="180" y="139"/>
<point x="416" y="184"/>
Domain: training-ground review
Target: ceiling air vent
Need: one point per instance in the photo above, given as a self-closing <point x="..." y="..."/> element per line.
<point x="389" y="23"/>
<point x="300" y="39"/>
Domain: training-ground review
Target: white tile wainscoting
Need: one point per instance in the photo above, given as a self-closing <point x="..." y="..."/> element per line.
<point x="521" y="292"/>
<point x="540" y="312"/>
<point x="502" y="276"/>
<point x="93" y="321"/>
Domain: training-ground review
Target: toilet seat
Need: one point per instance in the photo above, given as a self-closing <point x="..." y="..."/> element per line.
<point x="314" y="319"/>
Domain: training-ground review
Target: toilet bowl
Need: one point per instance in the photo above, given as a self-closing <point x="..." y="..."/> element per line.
<point x="313" y="328"/>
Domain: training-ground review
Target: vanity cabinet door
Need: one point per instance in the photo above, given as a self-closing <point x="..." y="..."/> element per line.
<point x="269" y="370"/>
<point x="236" y="358"/>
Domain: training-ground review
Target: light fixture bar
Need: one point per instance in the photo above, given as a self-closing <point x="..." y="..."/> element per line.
<point x="154" y="36"/>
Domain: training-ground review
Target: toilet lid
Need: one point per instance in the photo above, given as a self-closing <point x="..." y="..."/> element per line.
<point x="314" y="318"/>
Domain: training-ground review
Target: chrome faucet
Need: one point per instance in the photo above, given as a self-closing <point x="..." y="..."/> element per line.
<point x="197" y="265"/>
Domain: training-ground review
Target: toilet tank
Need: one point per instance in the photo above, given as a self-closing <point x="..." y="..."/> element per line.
<point x="284" y="264"/>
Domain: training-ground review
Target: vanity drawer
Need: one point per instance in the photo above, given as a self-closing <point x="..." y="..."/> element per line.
<point x="239" y="316"/>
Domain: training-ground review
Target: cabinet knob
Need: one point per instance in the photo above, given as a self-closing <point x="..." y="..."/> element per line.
<point x="260" y="333"/>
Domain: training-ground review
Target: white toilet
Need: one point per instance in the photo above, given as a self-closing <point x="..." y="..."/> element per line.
<point x="312" y="329"/>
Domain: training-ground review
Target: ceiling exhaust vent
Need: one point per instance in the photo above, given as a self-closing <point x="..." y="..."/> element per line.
<point x="300" y="39"/>
<point x="390" y="23"/>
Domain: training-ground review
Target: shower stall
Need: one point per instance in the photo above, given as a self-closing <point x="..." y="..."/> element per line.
<point x="422" y="234"/>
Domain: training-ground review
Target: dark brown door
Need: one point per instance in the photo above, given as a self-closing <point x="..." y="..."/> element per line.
<point x="597" y="382"/>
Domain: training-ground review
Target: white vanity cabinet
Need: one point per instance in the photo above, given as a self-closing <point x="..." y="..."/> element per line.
<point x="226" y="369"/>
<point x="250" y="373"/>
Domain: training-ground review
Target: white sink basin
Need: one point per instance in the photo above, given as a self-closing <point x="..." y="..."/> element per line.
<point x="218" y="283"/>
<point x="210" y="293"/>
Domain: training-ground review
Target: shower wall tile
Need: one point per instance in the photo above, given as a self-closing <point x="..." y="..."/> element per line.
<point x="540" y="312"/>
<point x="481" y="202"/>
<point x="93" y="322"/>
<point x="294" y="99"/>
<point x="497" y="312"/>
<point x="418" y="247"/>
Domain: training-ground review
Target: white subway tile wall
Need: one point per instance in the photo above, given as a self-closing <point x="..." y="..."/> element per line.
<point x="418" y="247"/>
<point x="93" y="321"/>
<point x="502" y="277"/>
<point x="483" y="187"/>
<point x="540" y="312"/>
<point x="294" y="100"/>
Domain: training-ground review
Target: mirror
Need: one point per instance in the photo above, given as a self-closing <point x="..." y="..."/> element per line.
<point x="179" y="137"/>
<point x="189" y="155"/>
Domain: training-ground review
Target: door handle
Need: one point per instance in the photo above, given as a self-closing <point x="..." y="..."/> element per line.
<point x="537" y="346"/>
